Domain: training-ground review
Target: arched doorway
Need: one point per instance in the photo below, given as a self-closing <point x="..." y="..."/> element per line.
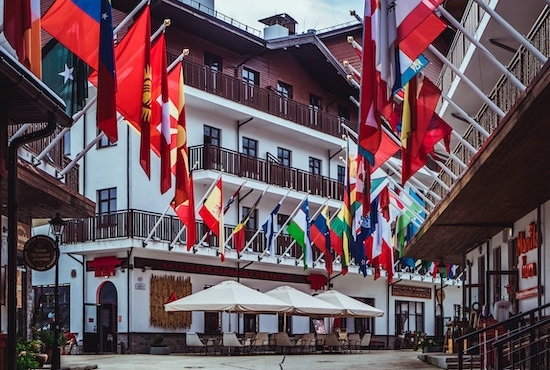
<point x="107" y="317"/>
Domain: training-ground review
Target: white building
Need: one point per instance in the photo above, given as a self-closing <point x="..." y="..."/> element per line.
<point x="267" y="112"/>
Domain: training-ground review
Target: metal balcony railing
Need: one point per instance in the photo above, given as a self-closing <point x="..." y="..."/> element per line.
<point x="209" y="157"/>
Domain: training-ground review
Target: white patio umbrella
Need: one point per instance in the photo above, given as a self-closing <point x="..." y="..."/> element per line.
<point x="303" y="303"/>
<point x="350" y="306"/>
<point x="229" y="296"/>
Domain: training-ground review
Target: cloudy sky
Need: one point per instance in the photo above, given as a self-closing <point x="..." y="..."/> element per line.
<point x="310" y="14"/>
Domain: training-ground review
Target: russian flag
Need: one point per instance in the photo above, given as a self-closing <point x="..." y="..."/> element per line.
<point x="76" y="24"/>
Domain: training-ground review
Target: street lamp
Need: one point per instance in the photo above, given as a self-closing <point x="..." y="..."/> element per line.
<point x="57" y="224"/>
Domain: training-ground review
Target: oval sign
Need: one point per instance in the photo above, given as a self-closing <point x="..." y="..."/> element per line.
<point x="40" y="253"/>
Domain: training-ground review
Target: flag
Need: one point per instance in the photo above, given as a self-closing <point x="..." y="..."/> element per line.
<point x="238" y="232"/>
<point x="33" y="40"/>
<point x="268" y="228"/>
<point x="369" y="117"/>
<point x="106" y="82"/>
<point x="184" y="198"/>
<point x="299" y="229"/>
<point x="146" y="89"/>
<point x="212" y="215"/>
<point x="17" y="24"/>
<point x="76" y="24"/>
<point x="66" y="75"/>
<point x="421" y="127"/>
<point x="320" y="236"/>
<point x="387" y="149"/>
<point x="231" y="200"/>
<point x="417" y="25"/>
<point x="131" y="61"/>
<point x="160" y="110"/>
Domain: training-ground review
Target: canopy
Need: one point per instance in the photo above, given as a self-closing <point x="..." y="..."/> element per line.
<point x="303" y="303"/>
<point x="350" y="306"/>
<point x="229" y="296"/>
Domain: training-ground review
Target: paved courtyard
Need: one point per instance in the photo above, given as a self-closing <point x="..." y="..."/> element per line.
<point x="379" y="359"/>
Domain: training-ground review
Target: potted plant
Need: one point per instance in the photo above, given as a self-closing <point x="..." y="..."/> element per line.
<point x="158" y="347"/>
<point x="47" y="338"/>
<point x="29" y="354"/>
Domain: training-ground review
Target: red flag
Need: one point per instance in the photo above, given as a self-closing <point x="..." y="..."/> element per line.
<point x="161" y="110"/>
<point x="130" y="56"/>
<point x="369" y="117"/>
<point x="388" y="148"/>
<point x="107" y="84"/>
<point x="184" y="203"/>
<point x="17" y="22"/>
<point x="75" y="24"/>
<point x="238" y="232"/>
<point x="212" y="215"/>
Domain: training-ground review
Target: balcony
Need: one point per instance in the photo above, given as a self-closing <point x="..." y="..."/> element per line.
<point x="208" y="157"/>
<point x="266" y="100"/>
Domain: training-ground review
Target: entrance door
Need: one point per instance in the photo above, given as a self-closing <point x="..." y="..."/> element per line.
<point x="90" y="338"/>
<point x="107" y="318"/>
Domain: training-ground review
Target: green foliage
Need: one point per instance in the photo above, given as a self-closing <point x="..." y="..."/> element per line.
<point x="48" y="338"/>
<point x="26" y="358"/>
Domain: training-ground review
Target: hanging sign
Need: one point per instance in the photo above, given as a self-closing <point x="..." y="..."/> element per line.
<point x="40" y="253"/>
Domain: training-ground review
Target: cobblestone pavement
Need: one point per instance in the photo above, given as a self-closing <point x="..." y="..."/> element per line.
<point x="379" y="359"/>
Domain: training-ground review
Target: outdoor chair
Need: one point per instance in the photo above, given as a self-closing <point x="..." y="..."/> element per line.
<point x="194" y="343"/>
<point x="283" y="344"/>
<point x="307" y="342"/>
<point x="320" y="341"/>
<point x="365" y="342"/>
<point x="231" y="343"/>
<point x="354" y="341"/>
<point x="260" y="342"/>
<point x="333" y="344"/>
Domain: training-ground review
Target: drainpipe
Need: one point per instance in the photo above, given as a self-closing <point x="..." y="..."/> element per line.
<point x="539" y="255"/>
<point x="12" y="231"/>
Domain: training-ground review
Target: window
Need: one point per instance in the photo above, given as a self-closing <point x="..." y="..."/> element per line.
<point x="315" y="107"/>
<point x="344" y="113"/>
<point x="409" y="317"/>
<point x="211" y="136"/>
<point x="67" y="143"/>
<point x="45" y="306"/>
<point x="252" y="223"/>
<point x="364" y="325"/>
<point x="213" y="61"/>
<point x="104" y="142"/>
<point x="250" y="147"/>
<point x="251" y="80"/>
<point x="284" y="156"/>
<point x="314" y="166"/>
<point x="285" y="94"/>
<point x="106" y="201"/>
<point x="214" y="64"/>
<point x="250" y="323"/>
<point x="341" y="174"/>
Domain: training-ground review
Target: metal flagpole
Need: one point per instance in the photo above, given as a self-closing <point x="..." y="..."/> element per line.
<point x="260" y="228"/>
<point x="518" y="36"/>
<point x="76" y="116"/>
<point x="481" y="47"/>
<point x="393" y="169"/>
<point x="231" y="236"/>
<point x="197" y="208"/>
<point x="466" y="116"/>
<point x="150" y="235"/>
<point x="467" y="81"/>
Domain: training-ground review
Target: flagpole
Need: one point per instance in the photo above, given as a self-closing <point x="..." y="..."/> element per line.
<point x="197" y="208"/>
<point x="260" y="228"/>
<point x="146" y="241"/>
<point x="287" y="221"/>
<point x="467" y="81"/>
<point x="481" y="47"/>
<point x="518" y="36"/>
<point x="89" y="104"/>
<point x="248" y="244"/>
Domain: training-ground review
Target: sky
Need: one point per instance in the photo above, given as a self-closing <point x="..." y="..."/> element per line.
<point x="310" y="14"/>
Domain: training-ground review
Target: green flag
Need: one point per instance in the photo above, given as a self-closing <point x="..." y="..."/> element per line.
<point x="65" y="74"/>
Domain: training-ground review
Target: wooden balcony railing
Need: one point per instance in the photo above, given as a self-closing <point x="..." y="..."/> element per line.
<point x="210" y="157"/>
<point x="262" y="99"/>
